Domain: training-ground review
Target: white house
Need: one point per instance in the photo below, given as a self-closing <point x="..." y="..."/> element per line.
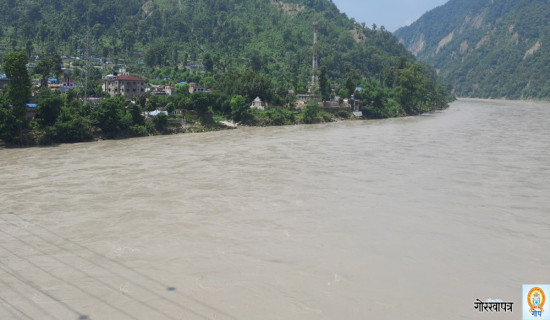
<point x="257" y="104"/>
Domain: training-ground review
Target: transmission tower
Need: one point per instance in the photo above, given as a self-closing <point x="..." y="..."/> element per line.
<point x="314" y="79"/>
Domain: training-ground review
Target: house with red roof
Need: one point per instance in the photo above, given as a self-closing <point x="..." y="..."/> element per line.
<point x="126" y="85"/>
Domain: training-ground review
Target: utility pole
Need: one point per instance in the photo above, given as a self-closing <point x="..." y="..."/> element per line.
<point x="86" y="62"/>
<point x="86" y="56"/>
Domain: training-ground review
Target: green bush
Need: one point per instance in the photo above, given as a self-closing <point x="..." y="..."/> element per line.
<point x="342" y="114"/>
<point x="160" y="121"/>
<point x="311" y="113"/>
<point x="70" y="126"/>
<point x="139" y="131"/>
<point x="280" y="117"/>
<point x="327" y="117"/>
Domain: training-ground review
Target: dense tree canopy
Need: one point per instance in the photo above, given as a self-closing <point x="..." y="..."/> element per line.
<point x="12" y="104"/>
<point x="239" y="49"/>
<point x="271" y="37"/>
<point x="19" y="88"/>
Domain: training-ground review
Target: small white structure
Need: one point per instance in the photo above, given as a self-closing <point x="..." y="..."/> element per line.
<point x="156" y="113"/>
<point x="257" y="104"/>
<point x="356" y="111"/>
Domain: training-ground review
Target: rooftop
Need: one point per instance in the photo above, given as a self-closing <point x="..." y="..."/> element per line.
<point x="129" y="78"/>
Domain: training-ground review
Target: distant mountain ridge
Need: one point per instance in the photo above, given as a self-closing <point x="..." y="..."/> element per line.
<point x="487" y="48"/>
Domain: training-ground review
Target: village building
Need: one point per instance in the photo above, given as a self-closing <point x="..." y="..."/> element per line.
<point x="194" y="88"/>
<point x="30" y="113"/>
<point x="257" y="104"/>
<point x="161" y="90"/>
<point x="53" y="84"/>
<point x="126" y="85"/>
<point x="68" y="83"/>
<point x="356" y="106"/>
<point x="156" y="113"/>
<point x="304" y="97"/>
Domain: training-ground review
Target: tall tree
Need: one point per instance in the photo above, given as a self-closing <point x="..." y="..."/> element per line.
<point x="49" y="106"/>
<point x="46" y="66"/>
<point x="256" y="61"/>
<point x="349" y="83"/>
<point x="323" y="84"/>
<point x="208" y="63"/>
<point x="17" y="93"/>
<point x="175" y="55"/>
<point x="8" y="124"/>
<point x="200" y="102"/>
<point x="19" y="89"/>
<point x="156" y="55"/>
<point x="29" y="48"/>
<point x="238" y="107"/>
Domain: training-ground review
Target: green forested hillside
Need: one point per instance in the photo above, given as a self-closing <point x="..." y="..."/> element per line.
<point x="238" y="48"/>
<point x="488" y="48"/>
<point x="269" y="36"/>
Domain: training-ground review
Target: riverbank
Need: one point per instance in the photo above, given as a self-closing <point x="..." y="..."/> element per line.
<point x="192" y="122"/>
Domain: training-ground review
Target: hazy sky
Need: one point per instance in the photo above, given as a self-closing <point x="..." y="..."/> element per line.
<point x="392" y="14"/>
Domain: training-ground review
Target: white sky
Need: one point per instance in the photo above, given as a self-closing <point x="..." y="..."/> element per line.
<point x="392" y="14"/>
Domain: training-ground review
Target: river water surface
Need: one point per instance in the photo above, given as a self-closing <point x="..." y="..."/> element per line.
<point x="410" y="218"/>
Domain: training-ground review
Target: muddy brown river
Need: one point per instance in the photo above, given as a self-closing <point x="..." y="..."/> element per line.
<point x="411" y="218"/>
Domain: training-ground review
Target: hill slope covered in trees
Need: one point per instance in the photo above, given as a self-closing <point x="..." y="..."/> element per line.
<point x="488" y="48"/>
<point x="270" y="36"/>
<point x="243" y="48"/>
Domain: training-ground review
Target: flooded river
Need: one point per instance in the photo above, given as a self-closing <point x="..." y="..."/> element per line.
<point x="411" y="218"/>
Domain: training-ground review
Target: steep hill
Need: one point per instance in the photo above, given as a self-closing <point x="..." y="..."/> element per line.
<point x="487" y="48"/>
<point x="240" y="49"/>
<point x="274" y="37"/>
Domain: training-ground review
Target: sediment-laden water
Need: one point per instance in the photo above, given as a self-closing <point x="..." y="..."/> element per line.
<point x="410" y="218"/>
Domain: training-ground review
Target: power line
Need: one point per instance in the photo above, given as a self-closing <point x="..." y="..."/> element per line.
<point x="22" y="279"/>
<point x="25" y="297"/>
<point x="88" y="275"/>
<point x="66" y="240"/>
<point x="64" y="281"/>
<point x="15" y="308"/>
<point x="114" y="273"/>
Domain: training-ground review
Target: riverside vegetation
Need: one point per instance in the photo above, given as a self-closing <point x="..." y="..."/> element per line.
<point x="238" y="49"/>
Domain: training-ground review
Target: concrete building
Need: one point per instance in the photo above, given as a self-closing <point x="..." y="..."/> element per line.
<point x="194" y="88"/>
<point x="161" y="90"/>
<point x="126" y="85"/>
